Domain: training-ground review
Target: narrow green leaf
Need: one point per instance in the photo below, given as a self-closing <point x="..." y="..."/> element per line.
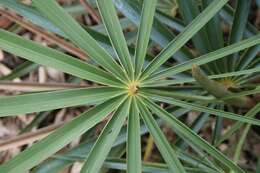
<point x="251" y="113"/>
<point x="110" y="19"/>
<point x="50" y="57"/>
<point x="243" y="93"/>
<point x="213" y="29"/>
<point x="200" y="108"/>
<point x="79" y="152"/>
<point x="241" y="141"/>
<point x="191" y="137"/>
<point x="174" y="23"/>
<point x="40" y="151"/>
<point x="189" y="10"/>
<point x="220" y="53"/>
<point x="179" y="95"/>
<point x="30" y="14"/>
<point x="159" y="34"/>
<point x="144" y="32"/>
<point x="20" y="70"/>
<point x="151" y="83"/>
<point x="150" y="167"/>
<point x="168" y="153"/>
<point x="238" y="28"/>
<point x="134" y="160"/>
<point x="247" y="58"/>
<point x="105" y="141"/>
<point x="215" y="36"/>
<point x="43" y="101"/>
<point x="197" y="125"/>
<point x="78" y="35"/>
<point x="183" y="37"/>
<point x="34" y="16"/>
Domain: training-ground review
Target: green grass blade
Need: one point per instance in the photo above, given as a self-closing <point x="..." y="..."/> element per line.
<point x="110" y="19"/>
<point x="192" y="138"/>
<point x="200" y="108"/>
<point x="50" y="57"/>
<point x="168" y="153"/>
<point x="78" y="36"/>
<point x="144" y="32"/>
<point x="183" y="37"/>
<point x="207" y="58"/>
<point x="37" y="102"/>
<point x="105" y="141"/>
<point x="134" y="160"/>
<point x="58" y="139"/>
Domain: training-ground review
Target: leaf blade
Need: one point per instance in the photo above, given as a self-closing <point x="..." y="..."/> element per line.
<point x="113" y="27"/>
<point x="58" y="139"/>
<point x="191" y="137"/>
<point x="53" y="58"/>
<point x="36" y="102"/>
<point x="144" y="32"/>
<point x="134" y="160"/>
<point x="182" y="38"/>
<point x="105" y="141"/>
<point x="200" y="108"/>
<point x="207" y="58"/>
<point x="168" y="153"/>
<point x="79" y="36"/>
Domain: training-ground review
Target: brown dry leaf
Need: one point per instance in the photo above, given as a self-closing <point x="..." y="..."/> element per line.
<point x="4" y="70"/>
<point x="55" y="75"/>
<point x="4" y="131"/>
<point x="1" y="55"/>
<point x="4" y="23"/>
<point x="60" y="116"/>
<point x="42" y="74"/>
<point x="26" y="2"/>
<point x="76" y="167"/>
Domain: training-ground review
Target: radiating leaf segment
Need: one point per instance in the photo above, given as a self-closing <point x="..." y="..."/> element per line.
<point x="124" y="95"/>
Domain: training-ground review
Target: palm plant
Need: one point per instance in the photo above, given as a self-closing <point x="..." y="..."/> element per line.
<point x="132" y="87"/>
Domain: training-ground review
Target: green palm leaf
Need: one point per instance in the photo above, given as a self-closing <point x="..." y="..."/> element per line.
<point x="52" y="58"/>
<point x="79" y="36"/>
<point x="105" y="141"/>
<point x="207" y="57"/>
<point x="170" y="156"/>
<point x="61" y="137"/>
<point x="144" y="34"/>
<point x="116" y="35"/>
<point x="183" y="37"/>
<point x="134" y="160"/>
<point x="37" y="102"/>
<point x="191" y="137"/>
<point x="205" y="109"/>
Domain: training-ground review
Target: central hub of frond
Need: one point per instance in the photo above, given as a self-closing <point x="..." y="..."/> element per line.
<point x="228" y="83"/>
<point x="133" y="88"/>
